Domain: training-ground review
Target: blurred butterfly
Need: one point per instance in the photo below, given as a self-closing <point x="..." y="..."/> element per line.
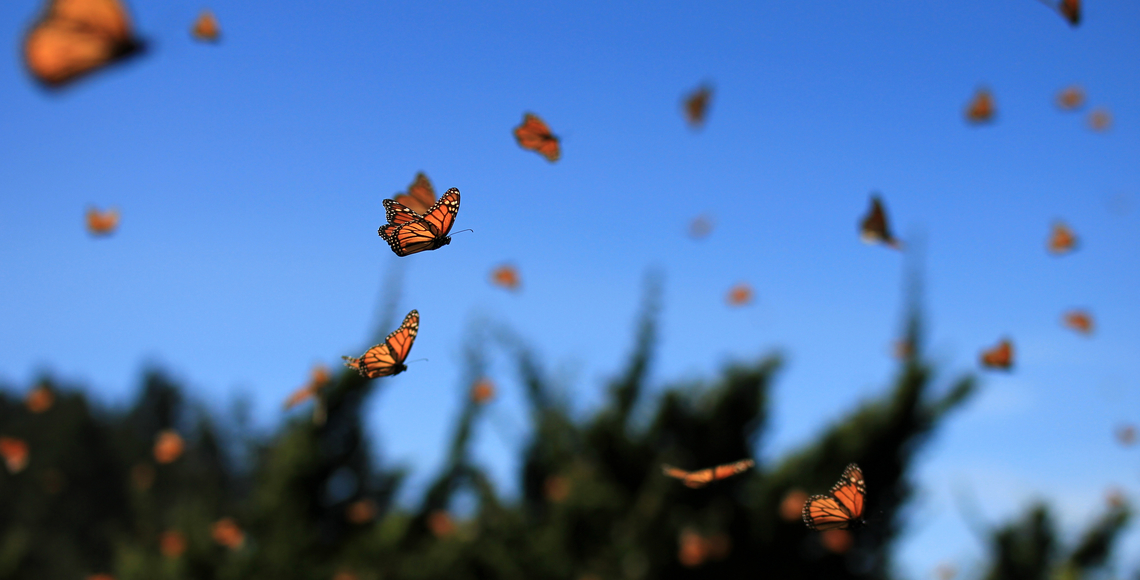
<point x="535" y="136"/>
<point x="980" y="109"/>
<point x="40" y="398"/>
<point x="1126" y="435"/>
<point x="1079" y="320"/>
<point x="102" y="223"/>
<point x="695" y="479"/>
<point x="15" y="453"/>
<point x="168" y="446"/>
<point x="1100" y="120"/>
<point x="1071" y="98"/>
<point x="387" y="358"/>
<point x="482" y="391"/>
<point x="318" y="379"/>
<point x="1062" y="240"/>
<point x="701" y="226"/>
<point x="697" y="105"/>
<point x="76" y="37"/>
<point x="999" y="357"/>
<point x="408" y="232"/>
<point x="1071" y="11"/>
<point x="506" y="276"/>
<point x="739" y="295"/>
<point x="874" y="229"/>
<point x="206" y="27"/>
<point x="842" y="507"/>
<point x="420" y="196"/>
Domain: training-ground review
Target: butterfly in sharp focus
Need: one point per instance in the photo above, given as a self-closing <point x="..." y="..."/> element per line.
<point x="697" y="106"/>
<point x="999" y="357"/>
<point x="842" y="507"/>
<point x="420" y="196"/>
<point x="408" y="232"/>
<point x="981" y="107"/>
<point x="206" y="27"/>
<point x="387" y="358"/>
<point x="703" y="477"/>
<point x="533" y="134"/>
<point x="76" y="37"/>
<point x="873" y="229"/>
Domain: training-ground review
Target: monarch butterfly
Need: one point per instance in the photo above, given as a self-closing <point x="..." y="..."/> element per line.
<point x="75" y="37"/>
<point x="39" y="399"/>
<point x="506" y="276"/>
<point x="102" y="223"/>
<point x="842" y="507"/>
<point x="206" y="27"/>
<point x="535" y="136"/>
<point x="408" y="232"/>
<point x="873" y="229"/>
<point x="1071" y="98"/>
<point x="739" y="295"/>
<point x="1062" y="240"/>
<point x="1071" y="11"/>
<point x="1100" y="120"/>
<point x="999" y="357"/>
<point x="697" y="105"/>
<point x="695" y="479"/>
<point x="226" y="532"/>
<point x="980" y="109"/>
<point x="482" y="391"/>
<point x="420" y="196"/>
<point x="1079" y="320"/>
<point x="387" y="358"/>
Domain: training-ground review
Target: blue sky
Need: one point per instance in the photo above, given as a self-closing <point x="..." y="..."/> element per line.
<point x="250" y="175"/>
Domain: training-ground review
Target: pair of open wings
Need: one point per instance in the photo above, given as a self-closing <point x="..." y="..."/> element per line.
<point x="387" y="358"/>
<point x="408" y="232"/>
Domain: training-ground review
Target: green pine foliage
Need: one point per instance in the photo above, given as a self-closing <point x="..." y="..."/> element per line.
<point x="593" y="502"/>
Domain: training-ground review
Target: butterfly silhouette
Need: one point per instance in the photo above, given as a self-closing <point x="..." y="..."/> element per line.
<point x="999" y="357"/>
<point x="873" y="229"/>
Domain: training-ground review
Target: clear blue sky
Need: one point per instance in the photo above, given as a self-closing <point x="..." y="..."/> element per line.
<point x="250" y="175"/>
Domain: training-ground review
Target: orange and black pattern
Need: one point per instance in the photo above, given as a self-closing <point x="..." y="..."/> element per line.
<point x="842" y="507"/>
<point x="407" y="232"/>
<point x="387" y="358"/>
<point x="420" y="196"/>
<point x="76" y="37"/>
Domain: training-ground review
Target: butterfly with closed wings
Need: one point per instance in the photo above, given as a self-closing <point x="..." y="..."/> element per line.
<point x="842" y="507"/>
<point x="387" y="358"/>
<point x="408" y="232"/>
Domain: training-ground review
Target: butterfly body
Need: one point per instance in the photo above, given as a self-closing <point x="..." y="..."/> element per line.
<point x="873" y="229"/>
<point x="387" y="358"/>
<point x="842" y="507"/>
<point x="408" y="232"/>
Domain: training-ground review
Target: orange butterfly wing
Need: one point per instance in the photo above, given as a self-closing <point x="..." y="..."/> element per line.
<point x="981" y="107"/>
<point x="75" y="37"/>
<point x="999" y="357"/>
<point x="428" y="232"/>
<point x="387" y="358"/>
<point x="534" y="135"/>
<point x="420" y="196"/>
<point x="206" y="27"/>
<point x="842" y="507"/>
<point x="102" y="222"/>
<point x="399" y="214"/>
<point x="1062" y="240"/>
<point x="700" y="478"/>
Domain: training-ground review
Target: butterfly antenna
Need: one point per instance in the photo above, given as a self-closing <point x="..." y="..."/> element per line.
<point x="416" y="360"/>
<point x="461" y="231"/>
